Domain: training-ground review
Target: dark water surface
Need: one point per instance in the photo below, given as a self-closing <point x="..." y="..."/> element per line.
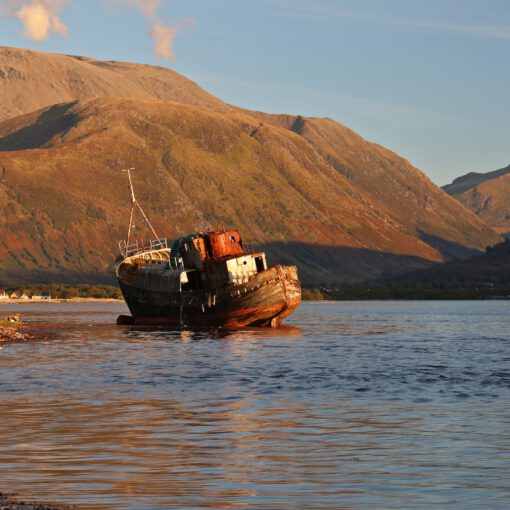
<point x="374" y="405"/>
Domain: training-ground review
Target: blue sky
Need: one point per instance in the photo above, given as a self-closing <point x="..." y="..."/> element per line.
<point x="427" y="79"/>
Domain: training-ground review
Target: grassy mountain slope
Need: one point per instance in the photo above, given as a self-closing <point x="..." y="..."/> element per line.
<point x="66" y="202"/>
<point x="392" y="185"/>
<point x="66" y="199"/>
<point x="487" y="195"/>
<point x="310" y="191"/>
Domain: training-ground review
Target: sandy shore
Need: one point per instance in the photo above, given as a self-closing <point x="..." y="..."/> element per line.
<point x="14" y="502"/>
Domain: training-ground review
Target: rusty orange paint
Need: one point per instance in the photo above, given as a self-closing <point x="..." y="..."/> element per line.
<point x="224" y="244"/>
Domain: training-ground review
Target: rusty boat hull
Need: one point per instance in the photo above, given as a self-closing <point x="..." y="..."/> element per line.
<point x="265" y="299"/>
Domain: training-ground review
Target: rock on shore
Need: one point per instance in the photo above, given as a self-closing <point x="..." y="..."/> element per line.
<point x="14" y="503"/>
<point x="12" y="329"/>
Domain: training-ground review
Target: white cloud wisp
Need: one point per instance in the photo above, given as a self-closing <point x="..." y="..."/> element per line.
<point x="163" y="36"/>
<point x="40" y="18"/>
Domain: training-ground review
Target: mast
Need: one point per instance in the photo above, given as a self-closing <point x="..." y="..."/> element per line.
<point x="134" y="204"/>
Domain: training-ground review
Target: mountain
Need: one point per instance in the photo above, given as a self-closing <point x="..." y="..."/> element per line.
<point x="30" y="80"/>
<point x="309" y="191"/>
<point x="487" y="195"/>
<point x="392" y="185"/>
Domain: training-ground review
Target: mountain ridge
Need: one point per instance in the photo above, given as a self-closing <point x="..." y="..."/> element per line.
<point x="52" y="78"/>
<point x="487" y="195"/>
<point x="472" y="179"/>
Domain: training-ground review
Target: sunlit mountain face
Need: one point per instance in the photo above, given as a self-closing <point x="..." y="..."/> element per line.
<point x="308" y="191"/>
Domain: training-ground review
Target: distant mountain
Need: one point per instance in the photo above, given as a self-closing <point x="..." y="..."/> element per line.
<point x="309" y="191"/>
<point x="487" y="195"/>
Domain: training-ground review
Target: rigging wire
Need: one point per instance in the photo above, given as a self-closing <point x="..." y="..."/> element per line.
<point x="135" y="204"/>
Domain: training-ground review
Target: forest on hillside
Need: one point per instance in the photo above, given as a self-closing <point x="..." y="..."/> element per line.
<point x="485" y="276"/>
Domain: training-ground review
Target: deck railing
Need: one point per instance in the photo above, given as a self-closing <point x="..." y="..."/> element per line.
<point x="127" y="250"/>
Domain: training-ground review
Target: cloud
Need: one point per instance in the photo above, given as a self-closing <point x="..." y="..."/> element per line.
<point x="163" y="36"/>
<point x="40" y="18"/>
<point x="163" y="41"/>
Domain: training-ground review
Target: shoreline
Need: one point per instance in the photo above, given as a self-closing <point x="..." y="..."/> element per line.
<point x="14" y="502"/>
<point x="18" y="333"/>
<point x="58" y="300"/>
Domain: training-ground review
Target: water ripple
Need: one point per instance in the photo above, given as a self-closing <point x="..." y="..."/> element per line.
<point x="354" y="405"/>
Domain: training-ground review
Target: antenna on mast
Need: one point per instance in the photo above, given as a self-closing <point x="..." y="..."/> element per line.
<point x="134" y="203"/>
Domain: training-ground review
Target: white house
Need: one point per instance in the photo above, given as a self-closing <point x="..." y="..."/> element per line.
<point x="43" y="296"/>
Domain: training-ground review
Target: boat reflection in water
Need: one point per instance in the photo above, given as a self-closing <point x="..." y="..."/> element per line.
<point x="233" y="335"/>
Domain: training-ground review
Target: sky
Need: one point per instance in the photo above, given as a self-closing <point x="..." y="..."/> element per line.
<point x="429" y="80"/>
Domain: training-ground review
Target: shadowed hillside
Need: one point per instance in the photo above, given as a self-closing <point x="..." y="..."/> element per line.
<point x="487" y="195"/>
<point x="484" y="276"/>
<point x="308" y="190"/>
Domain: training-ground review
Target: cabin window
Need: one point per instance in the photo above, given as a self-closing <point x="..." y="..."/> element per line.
<point x="259" y="263"/>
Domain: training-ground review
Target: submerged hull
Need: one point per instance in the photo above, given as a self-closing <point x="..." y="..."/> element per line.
<point x="264" y="300"/>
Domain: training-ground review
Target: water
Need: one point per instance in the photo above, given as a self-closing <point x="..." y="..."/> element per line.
<point x="374" y="405"/>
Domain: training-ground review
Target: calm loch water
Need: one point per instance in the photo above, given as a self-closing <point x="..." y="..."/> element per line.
<point x="374" y="405"/>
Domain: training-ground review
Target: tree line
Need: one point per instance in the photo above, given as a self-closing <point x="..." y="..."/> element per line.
<point x="61" y="291"/>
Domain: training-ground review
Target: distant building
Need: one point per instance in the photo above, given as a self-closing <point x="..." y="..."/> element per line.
<point x="3" y="295"/>
<point x="14" y="295"/>
<point x="24" y="297"/>
<point x="43" y="296"/>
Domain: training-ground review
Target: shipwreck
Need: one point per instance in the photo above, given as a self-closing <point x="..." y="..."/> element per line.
<point x="205" y="279"/>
